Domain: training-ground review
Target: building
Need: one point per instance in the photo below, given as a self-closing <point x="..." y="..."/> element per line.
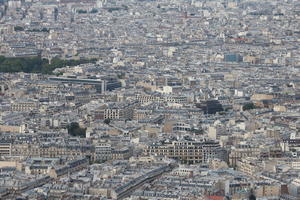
<point x="5" y="148"/>
<point x="189" y="152"/>
<point x="24" y="106"/>
<point x="242" y="151"/>
<point x="72" y="166"/>
<point x="103" y="151"/>
<point x="39" y="165"/>
<point x="233" y="57"/>
<point x="101" y="85"/>
<point x="116" y="111"/>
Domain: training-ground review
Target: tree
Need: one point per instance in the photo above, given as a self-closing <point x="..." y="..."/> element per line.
<point x="18" y="28"/>
<point x="252" y="196"/>
<point x="81" y="11"/>
<point x="45" y="30"/>
<point x="107" y="121"/>
<point x="94" y="10"/>
<point x="249" y="106"/>
<point x="37" y="64"/>
<point x="75" y="130"/>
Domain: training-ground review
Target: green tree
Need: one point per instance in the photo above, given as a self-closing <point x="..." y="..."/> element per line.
<point x="18" y="28"/>
<point x="37" y="64"/>
<point x="81" y="11"/>
<point x="107" y="121"/>
<point x="249" y="106"/>
<point x="2" y="58"/>
<point x="75" y="130"/>
<point x="94" y="10"/>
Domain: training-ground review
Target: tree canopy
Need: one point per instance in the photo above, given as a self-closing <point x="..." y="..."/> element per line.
<point x="75" y="130"/>
<point x="107" y="121"/>
<point x="18" y="28"/>
<point x="249" y="106"/>
<point x="37" y="64"/>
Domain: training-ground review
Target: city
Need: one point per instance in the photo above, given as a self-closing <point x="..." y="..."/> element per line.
<point x="150" y="99"/>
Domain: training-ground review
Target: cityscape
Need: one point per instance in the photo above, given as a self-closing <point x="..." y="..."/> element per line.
<point x="149" y="99"/>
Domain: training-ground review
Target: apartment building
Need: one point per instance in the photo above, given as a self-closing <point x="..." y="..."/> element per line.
<point x="115" y="111"/>
<point x="242" y="151"/>
<point x="5" y="148"/>
<point x="24" y="106"/>
<point x="188" y="152"/>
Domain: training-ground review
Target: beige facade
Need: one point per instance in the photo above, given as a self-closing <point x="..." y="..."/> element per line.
<point x="259" y="97"/>
<point x="50" y="151"/>
<point x="168" y="126"/>
<point x="122" y="112"/>
<point x="24" y="106"/>
<point x="278" y="108"/>
<point x="155" y="98"/>
<point x="5" y="149"/>
<point x="148" y="98"/>
<point x="146" y="85"/>
<point x="71" y="166"/>
<point x="8" y="164"/>
<point x="242" y="152"/>
<point x="248" y="166"/>
<point x="140" y="114"/>
<point x="188" y="152"/>
<point x="217" y="164"/>
<point x="10" y="129"/>
<point x="120" y="154"/>
<point x="268" y="191"/>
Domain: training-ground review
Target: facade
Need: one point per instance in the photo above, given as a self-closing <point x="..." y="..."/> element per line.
<point x="5" y="148"/>
<point x="233" y="58"/>
<point x="39" y="166"/>
<point x="268" y="191"/>
<point x="294" y="188"/>
<point x="115" y="111"/>
<point x="188" y="152"/>
<point x="248" y="166"/>
<point x="101" y="85"/>
<point x="48" y="151"/>
<point x="103" y="152"/>
<point x="146" y="98"/>
<point x="24" y="106"/>
<point x="242" y="151"/>
<point x="72" y="166"/>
